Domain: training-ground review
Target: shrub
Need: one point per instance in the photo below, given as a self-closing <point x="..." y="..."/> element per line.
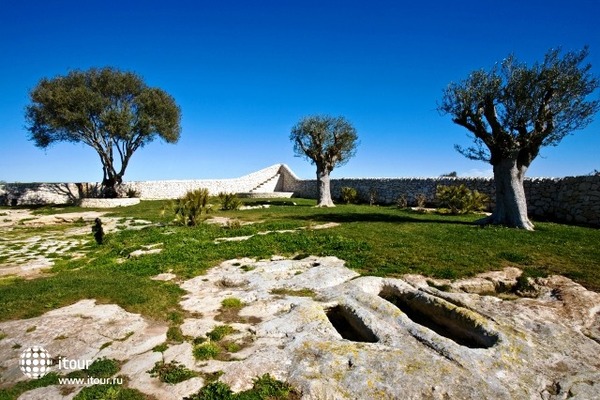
<point x="175" y="335"/>
<point x="219" y="332"/>
<point x="109" y="392"/>
<point x="213" y="391"/>
<point x="229" y="201"/>
<point x="206" y="351"/>
<point x="266" y="387"/>
<point x="460" y="199"/>
<point x="349" y="195"/>
<point x="232" y="347"/>
<point x="401" y="201"/>
<point x="234" y="224"/>
<point x="421" y="200"/>
<point x="190" y="207"/>
<point x="132" y="193"/>
<point x="103" y="368"/>
<point x="232" y="302"/>
<point x="171" y="373"/>
<point x="372" y="196"/>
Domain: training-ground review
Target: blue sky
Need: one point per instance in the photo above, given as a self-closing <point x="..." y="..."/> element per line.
<point x="244" y="72"/>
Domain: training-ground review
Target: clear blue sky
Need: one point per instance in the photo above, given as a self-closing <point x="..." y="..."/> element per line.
<point x="244" y="72"/>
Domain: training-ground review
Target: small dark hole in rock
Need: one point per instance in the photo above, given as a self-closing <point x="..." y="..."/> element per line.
<point x="349" y="326"/>
<point x="447" y="322"/>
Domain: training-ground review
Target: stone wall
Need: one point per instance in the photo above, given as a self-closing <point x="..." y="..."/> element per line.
<point x="571" y="199"/>
<point x="64" y="193"/>
<point x="153" y="190"/>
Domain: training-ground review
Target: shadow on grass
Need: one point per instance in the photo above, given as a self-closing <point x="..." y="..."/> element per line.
<point x="379" y="217"/>
<point x="290" y="203"/>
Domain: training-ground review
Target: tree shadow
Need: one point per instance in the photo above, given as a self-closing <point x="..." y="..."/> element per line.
<point x="33" y="194"/>
<point x="376" y="217"/>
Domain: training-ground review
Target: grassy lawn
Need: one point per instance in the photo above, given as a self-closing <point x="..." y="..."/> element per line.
<point x="383" y="241"/>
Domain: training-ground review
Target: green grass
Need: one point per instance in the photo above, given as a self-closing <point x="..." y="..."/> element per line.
<point x="103" y="368"/>
<point x="206" y="351"/>
<point x="174" y="335"/>
<point x="219" y="332"/>
<point x="381" y="241"/>
<point x="13" y="392"/>
<point x="263" y="388"/>
<point x="109" y="392"/>
<point x="232" y="302"/>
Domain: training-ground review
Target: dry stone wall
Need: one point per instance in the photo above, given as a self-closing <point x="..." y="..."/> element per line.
<point x="64" y="193"/>
<point x="571" y="199"/>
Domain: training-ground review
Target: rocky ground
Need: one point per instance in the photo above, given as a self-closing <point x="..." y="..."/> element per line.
<point x="60" y="235"/>
<point x="319" y="326"/>
<point x="334" y="335"/>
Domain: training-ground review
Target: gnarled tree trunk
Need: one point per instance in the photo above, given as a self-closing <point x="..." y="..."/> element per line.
<point x="511" y="205"/>
<point x="324" y="188"/>
<point x="109" y="184"/>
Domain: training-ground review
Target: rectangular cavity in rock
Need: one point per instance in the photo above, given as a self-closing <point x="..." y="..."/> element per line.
<point x="451" y="322"/>
<point x="349" y="325"/>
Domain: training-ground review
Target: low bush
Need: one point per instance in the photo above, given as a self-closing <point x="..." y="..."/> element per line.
<point x="174" y="335"/>
<point x="190" y="208"/>
<point x="103" y="368"/>
<point x="233" y="224"/>
<point x="420" y="200"/>
<point x="206" y="351"/>
<point x="232" y="302"/>
<point x="132" y="193"/>
<point x="213" y="391"/>
<point x="401" y="201"/>
<point x="373" y="196"/>
<point x="349" y="195"/>
<point x="219" y="332"/>
<point x="229" y="201"/>
<point x="264" y="388"/>
<point x="171" y="373"/>
<point x="460" y="199"/>
<point x="109" y="392"/>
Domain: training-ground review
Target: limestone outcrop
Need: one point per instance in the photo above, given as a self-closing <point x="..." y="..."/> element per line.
<point x="335" y="335"/>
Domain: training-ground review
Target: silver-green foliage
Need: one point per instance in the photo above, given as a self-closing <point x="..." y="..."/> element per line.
<point x="112" y="111"/>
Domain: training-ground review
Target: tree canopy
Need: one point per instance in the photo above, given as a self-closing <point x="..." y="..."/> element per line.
<point x="516" y="109"/>
<point x="326" y="142"/>
<point x="113" y="112"/>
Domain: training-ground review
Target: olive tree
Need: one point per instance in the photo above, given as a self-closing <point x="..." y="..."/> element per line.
<point x="113" y="112"/>
<point x="326" y="142"/>
<point x="513" y="111"/>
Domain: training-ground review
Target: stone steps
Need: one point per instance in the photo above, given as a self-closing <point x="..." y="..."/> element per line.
<point x="267" y="186"/>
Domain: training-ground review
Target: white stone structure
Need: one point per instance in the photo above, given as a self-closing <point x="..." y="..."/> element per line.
<point x="570" y="199"/>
